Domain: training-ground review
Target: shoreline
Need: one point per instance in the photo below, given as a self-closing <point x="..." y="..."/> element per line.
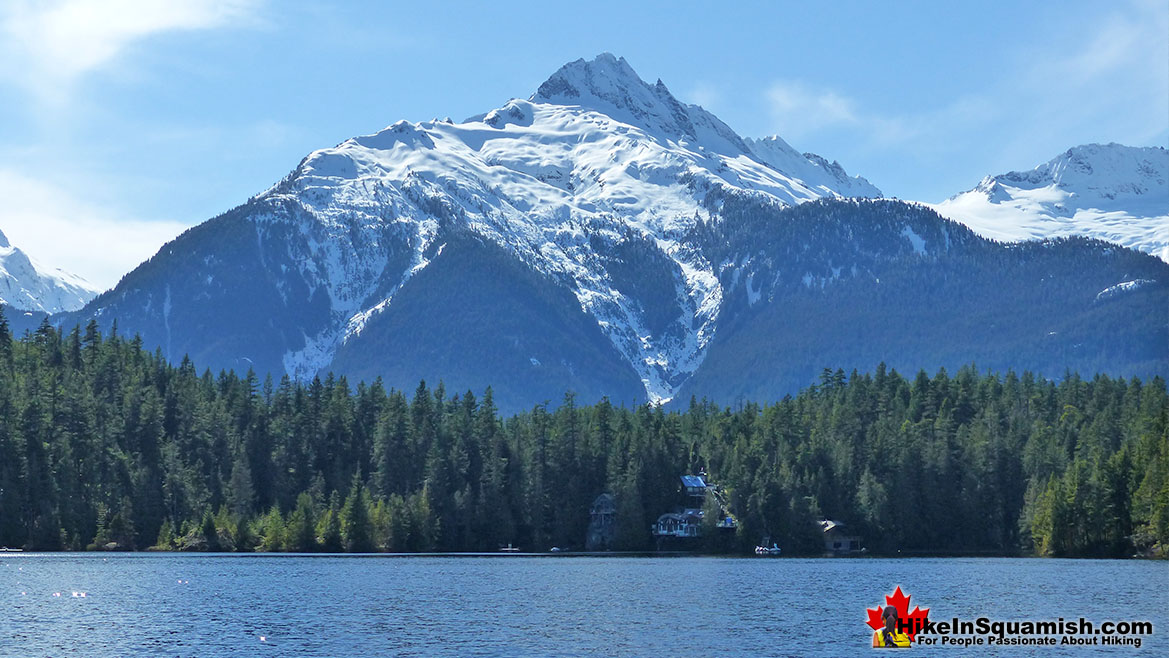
<point x="585" y="554"/>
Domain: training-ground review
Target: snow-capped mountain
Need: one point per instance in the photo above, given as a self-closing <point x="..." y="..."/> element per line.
<point x="596" y="154"/>
<point x="578" y="240"/>
<point x="29" y="286"/>
<point x="1106" y="191"/>
<point x="827" y="179"/>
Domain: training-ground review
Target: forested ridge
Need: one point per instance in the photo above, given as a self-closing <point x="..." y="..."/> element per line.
<point x="106" y="445"/>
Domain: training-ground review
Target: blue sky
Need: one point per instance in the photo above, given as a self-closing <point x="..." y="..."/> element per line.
<point x="123" y="122"/>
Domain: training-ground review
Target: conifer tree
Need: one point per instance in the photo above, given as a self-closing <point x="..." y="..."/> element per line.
<point x="301" y="533"/>
<point x="356" y="527"/>
<point x="272" y="531"/>
<point x="330" y="527"/>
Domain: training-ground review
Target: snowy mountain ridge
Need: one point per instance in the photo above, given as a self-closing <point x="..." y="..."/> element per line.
<point x="595" y="155"/>
<point x="603" y="238"/>
<point x="29" y="286"/>
<point x="1107" y="191"/>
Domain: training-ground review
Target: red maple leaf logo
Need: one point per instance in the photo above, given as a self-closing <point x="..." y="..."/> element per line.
<point x="909" y="622"/>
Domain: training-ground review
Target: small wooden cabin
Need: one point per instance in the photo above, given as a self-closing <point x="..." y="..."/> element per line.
<point x="837" y="540"/>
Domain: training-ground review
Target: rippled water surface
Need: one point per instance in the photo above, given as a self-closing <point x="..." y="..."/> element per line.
<point x="222" y="605"/>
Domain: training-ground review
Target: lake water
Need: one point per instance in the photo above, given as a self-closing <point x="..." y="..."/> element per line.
<point x="221" y="605"/>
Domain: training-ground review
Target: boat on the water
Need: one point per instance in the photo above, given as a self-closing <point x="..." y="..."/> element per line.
<point x="774" y="549"/>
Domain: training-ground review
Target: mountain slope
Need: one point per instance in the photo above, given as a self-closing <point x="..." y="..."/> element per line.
<point x="1106" y="191"/>
<point x="477" y="315"/>
<point x="28" y="286"/>
<point x="914" y="291"/>
<point x="567" y="241"/>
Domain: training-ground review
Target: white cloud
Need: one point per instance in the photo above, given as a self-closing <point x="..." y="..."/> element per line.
<point x="46" y="46"/>
<point x="61" y="231"/>
<point x="1131" y="36"/>
<point x="1111" y="80"/>
<point x="800" y="110"/>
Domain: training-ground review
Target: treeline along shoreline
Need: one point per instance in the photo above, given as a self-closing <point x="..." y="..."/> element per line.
<point x="104" y="445"/>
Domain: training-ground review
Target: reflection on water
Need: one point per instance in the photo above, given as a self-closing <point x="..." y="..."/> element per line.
<point x="255" y="605"/>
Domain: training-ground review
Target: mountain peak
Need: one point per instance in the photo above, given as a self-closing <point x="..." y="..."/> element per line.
<point x="1106" y="172"/>
<point x="1112" y="192"/>
<point x="609" y="85"/>
<point x="26" y="285"/>
<point x="583" y="78"/>
<point x="597" y="169"/>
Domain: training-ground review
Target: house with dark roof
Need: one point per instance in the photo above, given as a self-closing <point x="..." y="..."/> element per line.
<point x="685" y="522"/>
<point x="837" y="540"/>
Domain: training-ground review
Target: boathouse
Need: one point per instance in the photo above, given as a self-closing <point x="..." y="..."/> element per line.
<point x="837" y="541"/>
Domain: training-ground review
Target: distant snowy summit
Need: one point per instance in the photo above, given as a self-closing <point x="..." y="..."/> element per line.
<point x="1107" y="191"/>
<point x="28" y="286"/>
<point x="596" y="155"/>
<point x="609" y="85"/>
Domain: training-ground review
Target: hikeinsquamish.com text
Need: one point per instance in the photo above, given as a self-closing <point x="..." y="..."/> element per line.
<point x="984" y="631"/>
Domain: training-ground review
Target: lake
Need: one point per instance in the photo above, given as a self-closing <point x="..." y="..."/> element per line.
<point x="281" y="605"/>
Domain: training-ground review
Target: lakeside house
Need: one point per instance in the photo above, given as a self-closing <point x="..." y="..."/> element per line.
<point x="837" y="541"/>
<point x="685" y="522"/>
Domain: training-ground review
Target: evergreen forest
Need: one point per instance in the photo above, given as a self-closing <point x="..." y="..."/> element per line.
<point x="105" y="445"/>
